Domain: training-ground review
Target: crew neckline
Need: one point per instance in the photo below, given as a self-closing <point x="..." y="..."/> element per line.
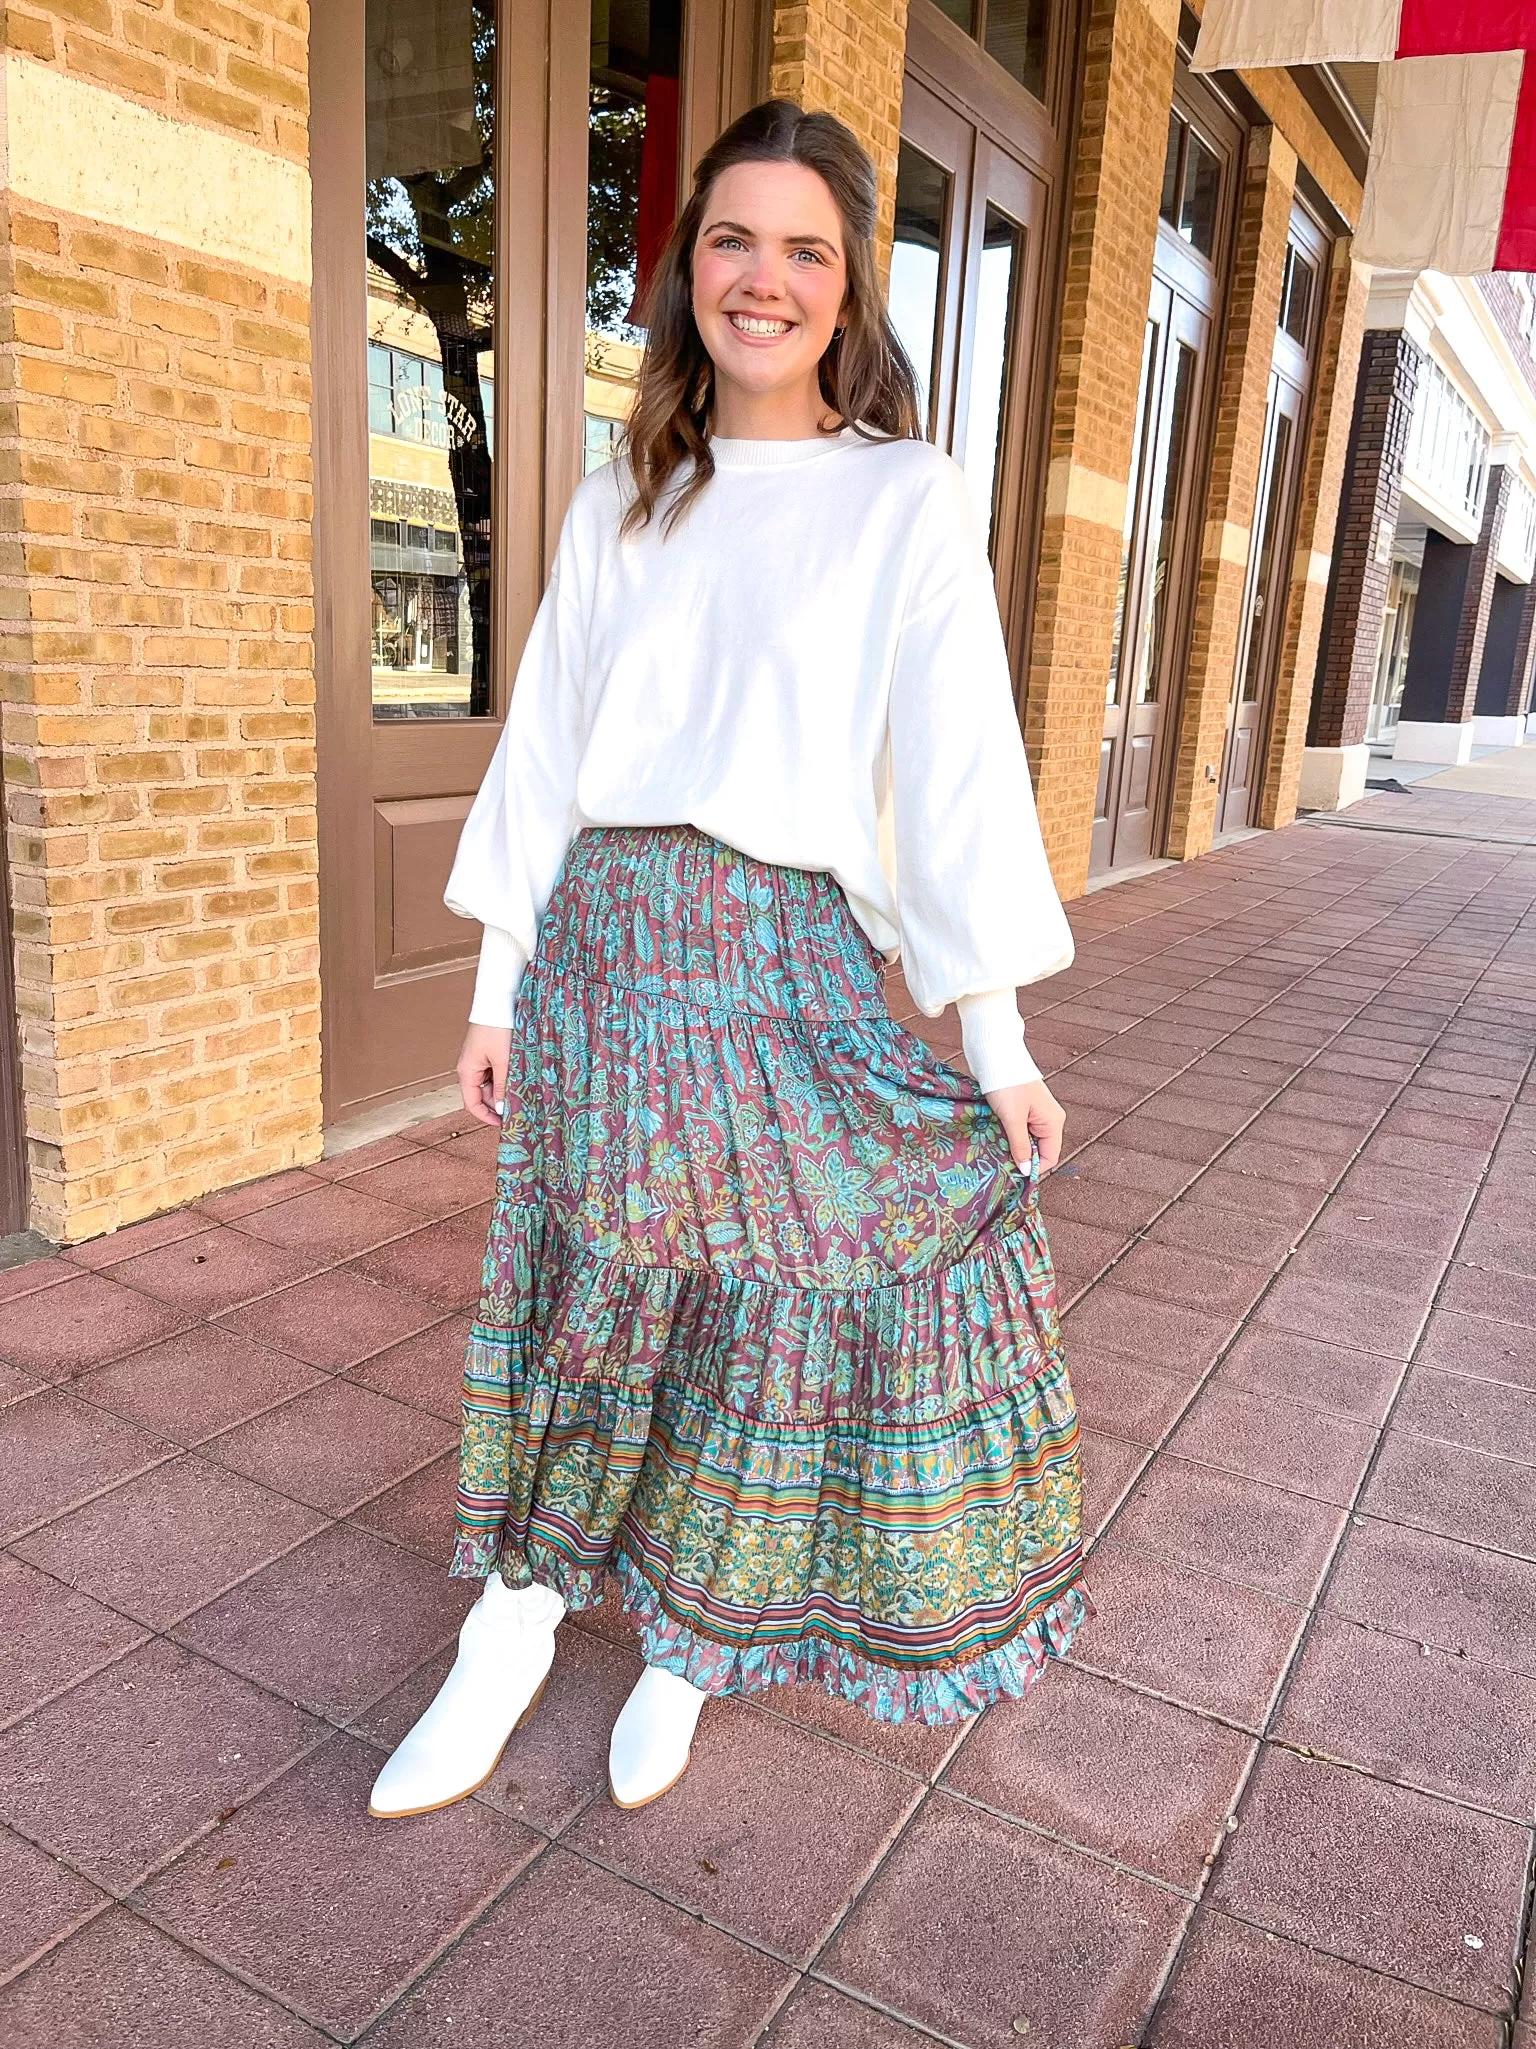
<point x="763" y="455"/>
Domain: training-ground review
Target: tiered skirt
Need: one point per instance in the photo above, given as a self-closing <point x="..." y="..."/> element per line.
<point x="768" y="1322"/>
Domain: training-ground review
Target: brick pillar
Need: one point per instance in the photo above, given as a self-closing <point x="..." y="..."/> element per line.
<point x="157" y="680"/>
<point x="1322" y="483"/>
<point x="1362" y="548"/>
<point x="1116" y="178"/>
<point x="1253" y="308"/>
<point x="845" y="57"/>
<point x="1444" y="691"/>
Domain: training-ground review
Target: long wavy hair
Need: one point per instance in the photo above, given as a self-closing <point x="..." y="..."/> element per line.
<point x="865" y="377"/>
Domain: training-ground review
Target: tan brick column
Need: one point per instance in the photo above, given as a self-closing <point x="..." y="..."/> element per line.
<point x="1333" y="405"/>
<point x="1253" y="307"/>
<point x="157" y="684"/>
<point x="1116" y="180"/>
<point x="845" y="57"/>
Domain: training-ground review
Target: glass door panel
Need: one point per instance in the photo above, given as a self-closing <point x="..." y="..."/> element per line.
<point x="997" y="275"/>
<point x="923" y="203"/>
<point x="430" y="119"/>
<point x="632" y="193"/>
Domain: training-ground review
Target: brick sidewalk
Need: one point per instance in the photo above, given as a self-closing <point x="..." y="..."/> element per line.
<point x="1282" y="1797"/>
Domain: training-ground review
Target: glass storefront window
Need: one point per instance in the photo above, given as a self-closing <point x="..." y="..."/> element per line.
<point x="1015" y="36"/>
<point x="962" y="12"/>
<point x="1000" y="248"/>
<point x="1168" y="204"/>
<point x="1202" y="194"/>
<point x="1393" y="649"/>
<point x="1296" y="294"/>
<point x="1265" y="583"/>
<point x="1165" y="491"/>
<point x="1146" y="412"/>
<point x="430" y="210"/>
<point x="632" y="188"/>
<point x="922" y="204"/>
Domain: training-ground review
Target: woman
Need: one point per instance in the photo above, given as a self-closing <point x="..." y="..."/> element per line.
<point x="768" y="1317"/>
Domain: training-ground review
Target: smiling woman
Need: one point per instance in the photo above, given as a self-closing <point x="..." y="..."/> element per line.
<point x="768" y="1324"/>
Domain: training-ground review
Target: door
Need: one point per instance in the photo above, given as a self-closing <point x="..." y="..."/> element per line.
<point x="1156" y="549"/>
<point x="490" y="179"/>
<point x="1261" y="645"/>
<point x="970" y="288"/>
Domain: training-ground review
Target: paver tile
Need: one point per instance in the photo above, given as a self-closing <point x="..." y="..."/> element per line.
<point x="1194" y="1280"/>
<point x="1379" y="1874"/>
<point x="1356" y="1220"/>
<point x="1028" y="1931"/>
<point x="434" y="1182"/>
<point x="1429" y="1718"/>
<point x="53" y="1635"/>
<point x="59" y="1332"/>
<point x="1162" y="1335"/>
<point x="334" y="1624"/>
<point x="1471" y="1344"/>
<point x="1228" y="1524"/>
<point x="1473" y="1602"/>
<point x="167" y="1542"/>
<point x="29" y="1276"/>
<point x="479" y="1144"/>
<point x="1505" y="1298"/>
<point x="40" y="1900"/>
<point x="418" y="1511"/>
<point x="1113" y="1770"/>
<point x="1343" y="1312"/>
<point x="1502" y="1242"/>
<point x="195" y="1384"/>
<point x="817" y="2017"/>
<point x="336" y="1912"/>
<point x="1122" y="1397"/>
<point x="1194" y="1228"/>
<point x="441" y="1261"/>
<point x="333" y="1446"/>
<point x="1251" y="1194"/>
<point x="217" y="1269"/>
<point x="1238" y="1988"/>
<point x="248" y="1196"/>
<point x="113" y="1246"/>
<point x="426" y="1370"/>
<point x="55" y="1451"/>
<point x="357" y="1159"/>
<point x="1275" y="1441"/>
<point x="1483" y="1415"/>
<point x="1206" y="1642"/>
<point x="334" y="1320"/>
<point x="618" y="1969"/>
<point x="123" y="1983"/>
<point x="744" y="1838"/>
<point x="1109" y="1466"/>
<point x="1311" y="1373"/>
<point x="121" y="1770"/>
<point x="336" y="1219"/>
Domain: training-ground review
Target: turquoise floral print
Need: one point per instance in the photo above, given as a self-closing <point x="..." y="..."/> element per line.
<point x="768" y="1323"/>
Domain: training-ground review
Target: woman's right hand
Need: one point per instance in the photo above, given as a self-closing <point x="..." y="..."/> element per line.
<point x="482" y="1071"/>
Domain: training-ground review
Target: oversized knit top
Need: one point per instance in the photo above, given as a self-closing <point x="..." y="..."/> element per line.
<point x="809" y="667"/>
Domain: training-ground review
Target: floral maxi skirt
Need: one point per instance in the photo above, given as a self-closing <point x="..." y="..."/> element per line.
<point x="768" y="1322"/>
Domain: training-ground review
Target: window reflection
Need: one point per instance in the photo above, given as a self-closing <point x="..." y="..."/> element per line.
<point x="1015" y="36"/>
<point x="1160" y="557"/>
<point x="989" y="361"/>
<point x="1296" y="294"/>
<point x="1269" y="534"/>
<point x="632" y="186"/>
<point x="1202" y="192"/>
<point x="430" y="123"/>
<point x="1146" y="413"/>
<point x="922" y="204"/>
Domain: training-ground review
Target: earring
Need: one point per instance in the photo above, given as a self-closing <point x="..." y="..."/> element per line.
<point x="837" y="333"/>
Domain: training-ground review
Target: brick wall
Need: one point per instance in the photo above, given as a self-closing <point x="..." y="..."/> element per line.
<point x="845" y="57"/>
<point x="158" y="676"/>
<point x="1332" y="407"/>
<point x="1115" y="181"/>
<point x="1253" y="307"/>
<point x="1370" y="496"/>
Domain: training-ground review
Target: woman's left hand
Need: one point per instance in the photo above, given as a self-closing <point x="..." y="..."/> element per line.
<point x="1029" y="1112"/>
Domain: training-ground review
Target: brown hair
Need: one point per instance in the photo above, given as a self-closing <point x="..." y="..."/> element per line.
<point x="866" y="379"/>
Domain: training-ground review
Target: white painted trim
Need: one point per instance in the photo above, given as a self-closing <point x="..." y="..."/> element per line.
<point x="77" y="148"/>
<point x="1332" y="778"/>
<point x="1433" y="740"/>
<point x="1491" y="731"/>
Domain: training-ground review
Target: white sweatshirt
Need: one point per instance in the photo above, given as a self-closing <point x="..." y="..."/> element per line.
<point x="809" y="667"/>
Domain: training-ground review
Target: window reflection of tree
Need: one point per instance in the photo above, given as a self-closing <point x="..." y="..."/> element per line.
<point x="430" y="216"/>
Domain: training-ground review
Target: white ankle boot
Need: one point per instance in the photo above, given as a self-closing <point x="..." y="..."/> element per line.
<point x="653" y="1737"/>
<point x="506" y="1647"/>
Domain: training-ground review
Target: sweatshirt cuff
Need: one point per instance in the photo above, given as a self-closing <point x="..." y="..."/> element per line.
<point x="500" y="971"/>
<point x="992" y="1033"/>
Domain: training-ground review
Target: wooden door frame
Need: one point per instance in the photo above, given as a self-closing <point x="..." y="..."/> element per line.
<point x="543" y="59"/>
<point x="948" y="63"/>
